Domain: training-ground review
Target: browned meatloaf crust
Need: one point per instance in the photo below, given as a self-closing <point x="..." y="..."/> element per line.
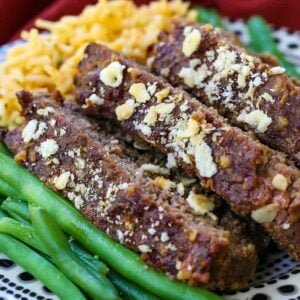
<point x="251" y="177"/>
<point x="251" y="94"/>
<point x="131" y="207"/>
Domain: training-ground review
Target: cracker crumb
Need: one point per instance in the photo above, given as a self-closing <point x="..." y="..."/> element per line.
<point x="200" y="203"/>
<point x="162" y="94"/>
<point x="265" y="214"/>
<point x="139" y="92"/>
<point x="151" y="117"/>
<point x="125" y="111"/>
<point x="154" y="169"/>
<point x="204" y="160"/>
<point x="191" y="41"/>
<point x="94" y="99"/>
<point x="280" y="182"/>
<point x="61" y="181"/>
<point x="112" y="75"/>
<point x="276" y="71"/>
<point x="257" y="119"/>
<point x="164" y="108"/>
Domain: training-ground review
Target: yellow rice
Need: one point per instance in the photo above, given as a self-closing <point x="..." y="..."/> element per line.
<point x="48" y="61"/>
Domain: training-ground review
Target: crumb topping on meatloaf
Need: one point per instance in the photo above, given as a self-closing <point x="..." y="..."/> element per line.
<point x="222" y="74"/>
<point x="227" y="160"/>
<point x="130" y="206"/>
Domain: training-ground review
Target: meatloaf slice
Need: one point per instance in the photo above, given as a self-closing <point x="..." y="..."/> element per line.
<point x="143" y="153"/>
<point x="220" y="73"/>
<point x="254" y="180"/>
<point x="137" y="210"/>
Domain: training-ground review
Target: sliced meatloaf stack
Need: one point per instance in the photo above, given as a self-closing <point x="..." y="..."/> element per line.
<point x="255" y="180"/>
<point x="186" y="237"/>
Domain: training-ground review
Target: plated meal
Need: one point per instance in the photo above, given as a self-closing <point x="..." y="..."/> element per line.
<point x="146" y="153"/>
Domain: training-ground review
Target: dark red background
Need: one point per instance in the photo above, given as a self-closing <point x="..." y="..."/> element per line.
<point x="16" y="15"/>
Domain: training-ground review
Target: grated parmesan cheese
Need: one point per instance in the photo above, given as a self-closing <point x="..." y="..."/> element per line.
<point x="48" y="148"/>
<point x="33" y="130"/>
<point x="144" y="248"/>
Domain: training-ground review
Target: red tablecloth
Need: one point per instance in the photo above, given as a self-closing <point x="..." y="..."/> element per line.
<point x="16" y="15"/>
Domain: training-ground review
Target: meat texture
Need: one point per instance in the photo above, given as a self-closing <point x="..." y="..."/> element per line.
<point x="255" y="180"/>
<point x="184" y="237"/>
<point x="220" y="73"/>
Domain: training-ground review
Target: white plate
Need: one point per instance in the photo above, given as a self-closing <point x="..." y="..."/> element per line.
<point x="278" y="277"/>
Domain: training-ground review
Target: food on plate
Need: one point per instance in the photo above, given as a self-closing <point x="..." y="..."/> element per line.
<point x="178" y="235"/>
<point x="48" y="61"/>
<point x="32" y="190"/>
<point x="254" y="179"/>
<point x="249" y="93"/>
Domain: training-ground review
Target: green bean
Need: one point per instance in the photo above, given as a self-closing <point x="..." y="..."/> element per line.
<point x="17" y="209"/>
<point x="90" y="260"/>
<point x="209" y="15"/>
<point x="40" y="268"/>
<point x="25" y="233"/>
<point x="121" y="259"/>
<point x="262" y="41"/>
<point x="21" y="231"/>
<point x="2" y="214"/>
<point x="56" y="244"/>
<point x="7" y="190"/>
<point x="128" y="289"/>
